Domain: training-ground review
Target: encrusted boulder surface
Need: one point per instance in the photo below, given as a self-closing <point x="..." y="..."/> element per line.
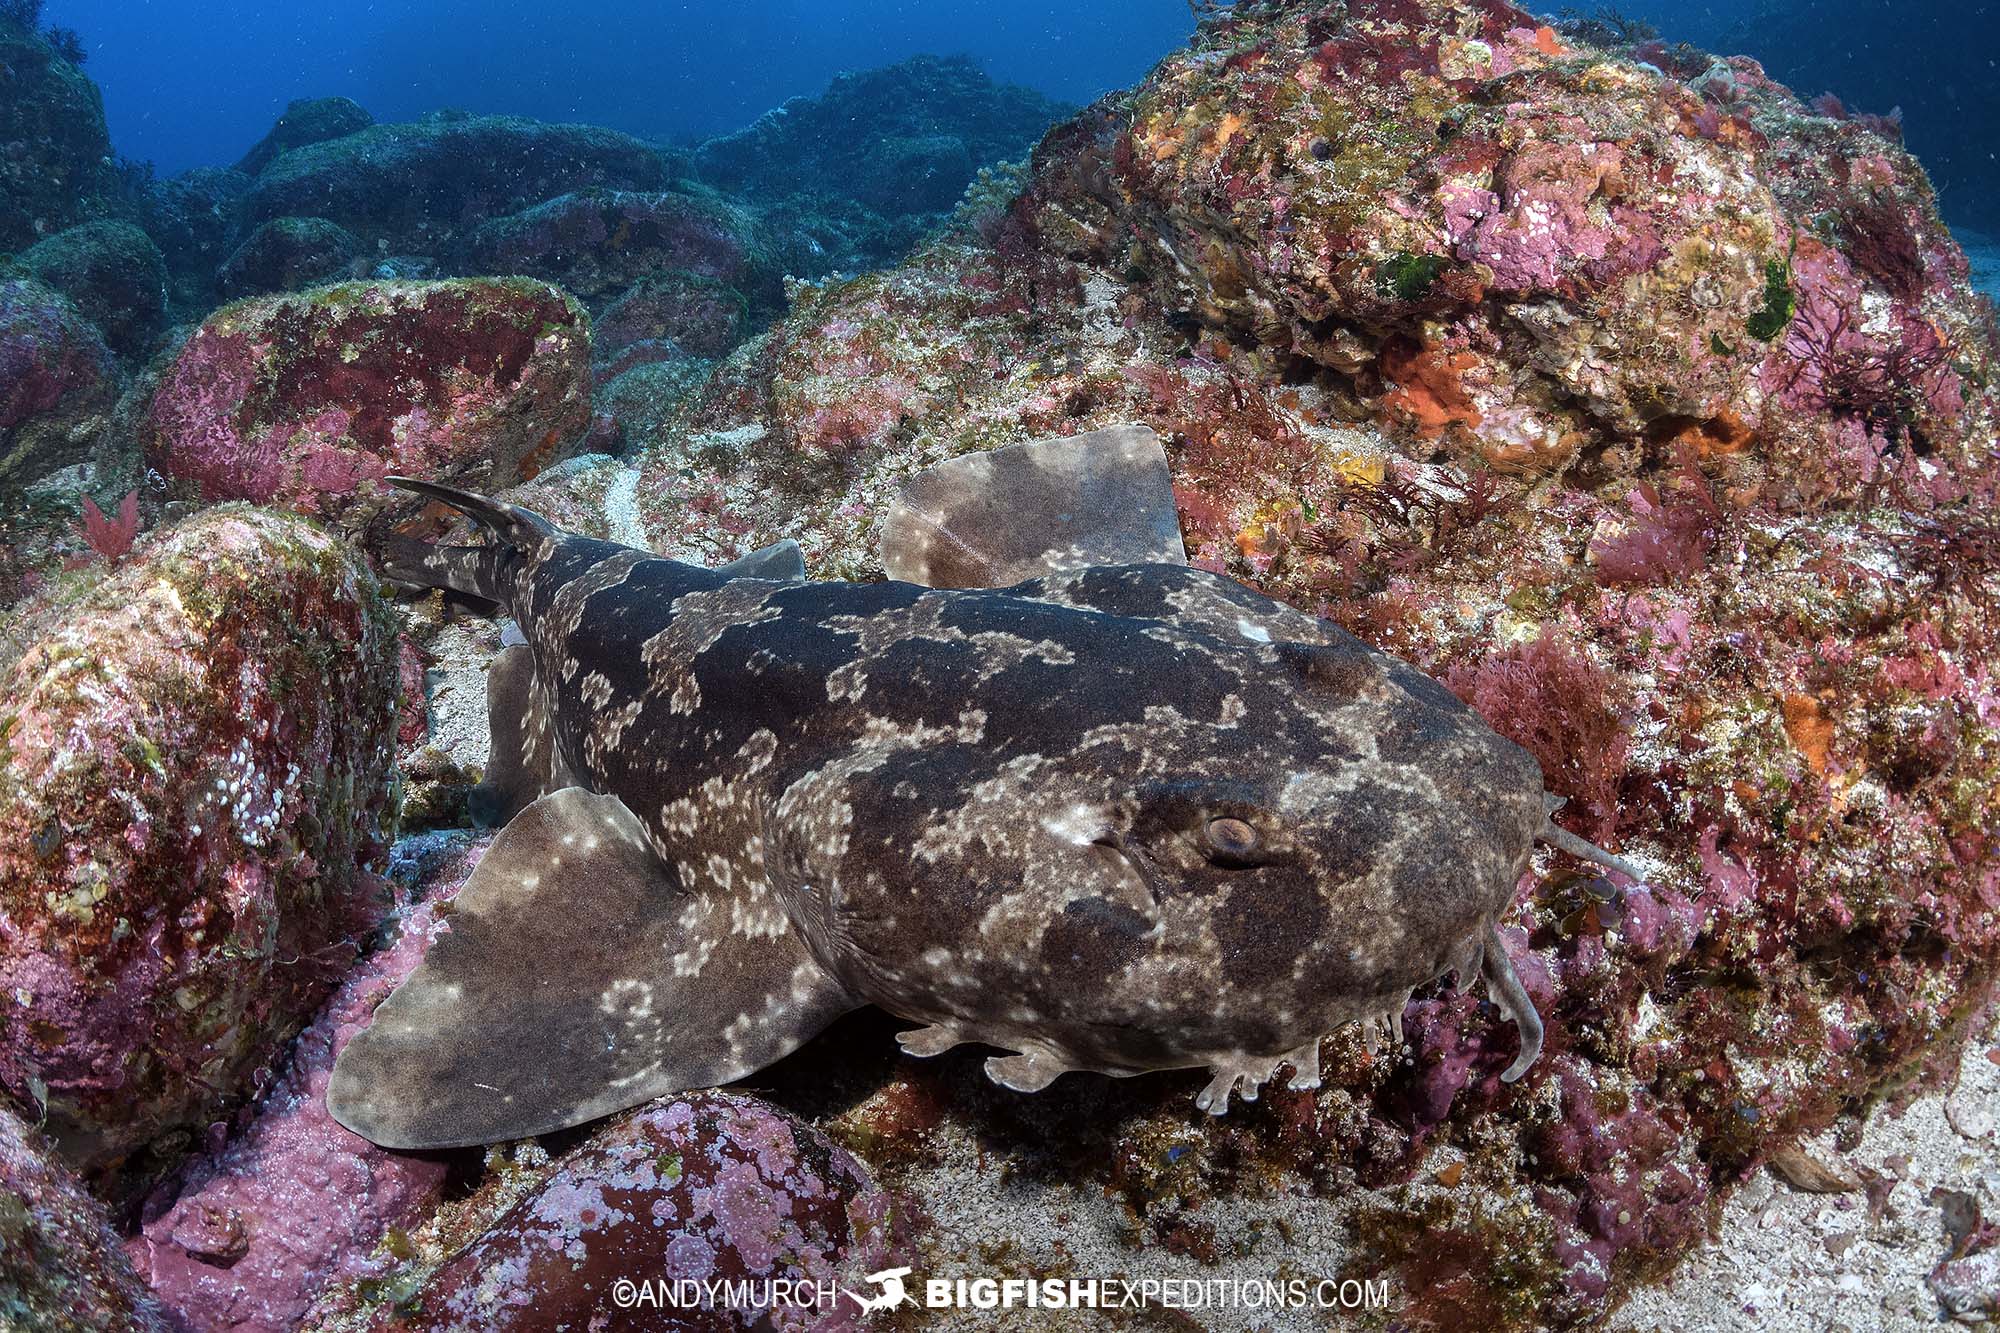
<point x="194" y="806"/>
<point x="61" y="1268"/>
<point x="257" y="1230"/>
<point x="57" y="383"/>
<point x="597" y="242"/>
<point x="115" y="275"/>
<point x="698" y="313"/>
<point x="193" y="218"/>
<point x="309" y="400"/>
<point x="903" y="139"/>
<point x="285" y="255"/>
<point x="54" y="148"/>
<point x="307" y="121"/>
<point x="709" y="1187"/>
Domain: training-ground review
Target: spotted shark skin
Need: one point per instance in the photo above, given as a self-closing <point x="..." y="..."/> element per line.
<point x="1118" y="818"/>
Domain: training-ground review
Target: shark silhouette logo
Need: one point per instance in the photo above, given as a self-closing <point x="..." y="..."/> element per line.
<point x="890" y="1280"/>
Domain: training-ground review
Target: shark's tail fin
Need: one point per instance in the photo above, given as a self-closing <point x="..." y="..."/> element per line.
<point x="476" y="571"/>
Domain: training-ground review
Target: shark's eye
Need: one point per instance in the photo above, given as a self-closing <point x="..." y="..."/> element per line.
<point x="1231" y="839"/>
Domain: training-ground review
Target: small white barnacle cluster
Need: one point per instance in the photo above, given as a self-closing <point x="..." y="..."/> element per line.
<point x="246" y="798"/>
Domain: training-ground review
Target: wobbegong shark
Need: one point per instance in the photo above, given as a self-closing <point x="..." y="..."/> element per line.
<point x="1047" y="789"/>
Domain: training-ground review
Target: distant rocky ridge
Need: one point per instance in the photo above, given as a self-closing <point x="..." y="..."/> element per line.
<point x="679" y="254"/>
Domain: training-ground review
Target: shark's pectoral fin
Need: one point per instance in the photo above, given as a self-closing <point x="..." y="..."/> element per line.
<point x="578" y="978"/>
<point x="523" y="763"/>
<point x="991" y="520"/>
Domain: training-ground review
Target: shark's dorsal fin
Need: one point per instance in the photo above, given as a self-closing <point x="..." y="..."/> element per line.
<point x="991" y="520"/>
<point x="579" y="977"/>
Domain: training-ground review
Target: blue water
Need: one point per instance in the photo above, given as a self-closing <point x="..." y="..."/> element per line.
<point x="195" y="82"/>
<point x="190" y="83"/>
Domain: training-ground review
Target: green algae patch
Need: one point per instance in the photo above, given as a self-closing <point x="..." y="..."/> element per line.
<point x="1408" y="277"/>
<point x="1780" y="302"/>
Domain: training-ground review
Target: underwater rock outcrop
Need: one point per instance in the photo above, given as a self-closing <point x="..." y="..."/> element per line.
<point x="698" y="314"/>
<point x="1619" y="389"/>
<point x="55" y="152"/>
<point x="192" y="217"/>
<point x="307" y="121"/>
<point x="711" y="1186"/>
<point x="309" y="400"/>
<point x="597" y="242"/>
<point x="61" y="1267"/>
<point x="418" y="186"/>
<point x="286" y="255"/>
<point x="194" y="803"/>
<point x="57" y="383"/>
<point x="115" y="275"/>
<point x="903" y="139"/>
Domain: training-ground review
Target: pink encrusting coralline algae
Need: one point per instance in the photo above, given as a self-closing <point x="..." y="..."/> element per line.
<point x="310" y="400"/>
<point x="249" y="1236"/>
<point x="194" y="754"/>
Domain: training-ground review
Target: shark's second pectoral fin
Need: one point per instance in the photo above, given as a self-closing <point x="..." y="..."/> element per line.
<point x="991" y="520"/>
<point x="523" y="762"/>
<point x="578" y="978"/>
<point x="780" y="562"/>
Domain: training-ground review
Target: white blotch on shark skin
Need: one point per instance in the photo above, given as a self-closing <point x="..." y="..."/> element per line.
<point x="631" y="997"/>
<point x="1253" y="632"/>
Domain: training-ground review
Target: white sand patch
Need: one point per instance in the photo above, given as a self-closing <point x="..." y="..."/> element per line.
<point x="1788" y="1261"/>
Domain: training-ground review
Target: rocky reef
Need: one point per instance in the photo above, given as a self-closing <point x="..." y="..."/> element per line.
<point x="61" y="1268"/>
<point x="710" y="1187"/>
<point x="882" y="154"/>
<point x="1644" y="405"/>
<point x="258" y="1227"/>
<point x="194" y="803"/>
<point x="54" y="148"/>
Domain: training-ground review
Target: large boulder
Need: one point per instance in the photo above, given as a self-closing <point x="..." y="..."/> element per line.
<point x="310" y="400"/>
<point x="418" y="186"/>
<point x="61" y="1268"/>
<point x="115" y="275"/>
<point x="54" y="148"/>
<point x="1611" y="258"/>
<point x="1640" y="403"/>
<point x="600" y="242"/>
<point x="907" y="138"/>
<point x="194" y="801"/>
<point x="57" y="384"/>
<point x="646" y="397"/>
<point x="287" y="255"/>
<point x="307" y="121"/>
<point x="699" y="314"/>
<point x="711" y="1187"/>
